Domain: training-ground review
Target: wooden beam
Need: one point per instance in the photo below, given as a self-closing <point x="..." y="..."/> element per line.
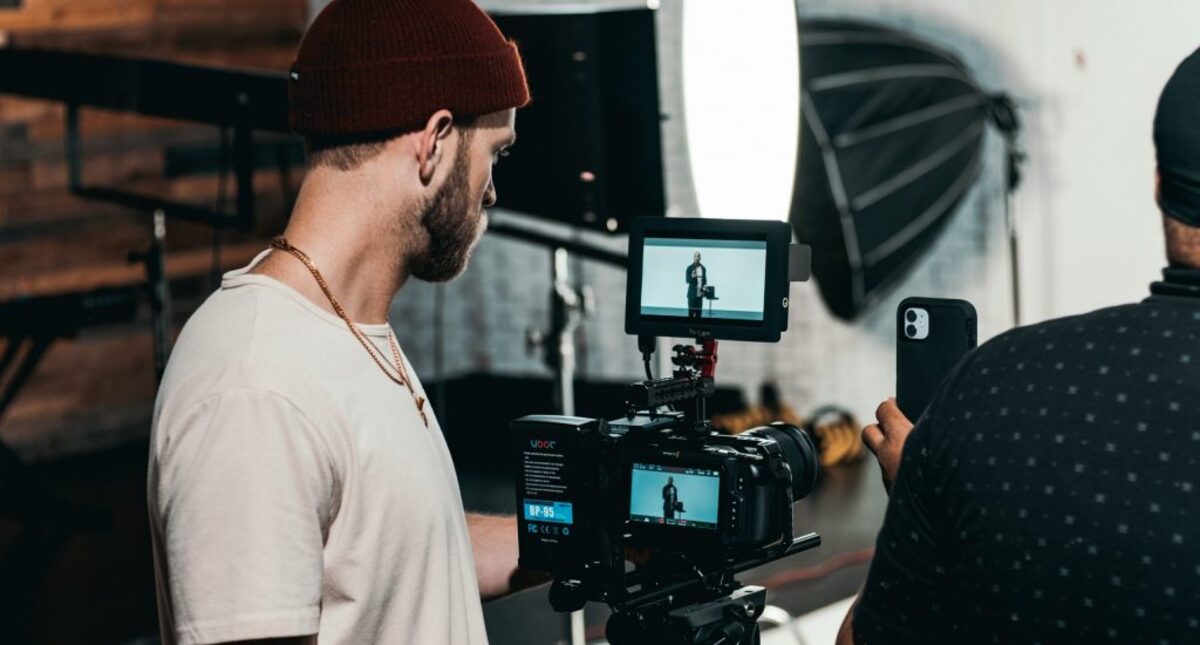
<point x="74" y="15"/>
<point x="182" y="264"/>
<point x="84" y="15"/>
<point x="87" y="393"/>
<point x="97" y="390"/>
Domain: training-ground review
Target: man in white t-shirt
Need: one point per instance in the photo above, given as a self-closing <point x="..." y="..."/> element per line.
<point x="300" y="489"/>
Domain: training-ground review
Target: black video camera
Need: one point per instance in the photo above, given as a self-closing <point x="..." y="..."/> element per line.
<point x="690" y="506"/>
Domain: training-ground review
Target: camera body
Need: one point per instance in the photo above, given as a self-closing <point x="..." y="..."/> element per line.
<point x="589" y="488"/>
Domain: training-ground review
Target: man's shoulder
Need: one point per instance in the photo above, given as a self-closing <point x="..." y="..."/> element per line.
<point x="234" y="325"/>
<point x="1029" y="364"/>
<point x="1029" y="338"/>
<point x="1040" y="353"/>
<point x="240" y="339"/>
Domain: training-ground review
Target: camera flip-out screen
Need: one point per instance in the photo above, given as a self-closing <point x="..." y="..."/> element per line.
<point x="674" y="496"/>
<point x="707" y="278"/>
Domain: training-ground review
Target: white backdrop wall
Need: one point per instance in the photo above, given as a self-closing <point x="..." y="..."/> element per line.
<point x="1086" y="75"/>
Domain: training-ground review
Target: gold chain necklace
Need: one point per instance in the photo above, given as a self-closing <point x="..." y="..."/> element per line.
<point x="402" y="378"/>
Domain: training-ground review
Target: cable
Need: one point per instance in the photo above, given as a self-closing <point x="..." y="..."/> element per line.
<point x="822" y="570"/>
<point x="583" y="349"/>
<point x="647" y="345"/>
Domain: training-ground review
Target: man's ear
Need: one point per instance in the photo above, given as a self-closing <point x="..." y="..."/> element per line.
<point x="431" y="143"/>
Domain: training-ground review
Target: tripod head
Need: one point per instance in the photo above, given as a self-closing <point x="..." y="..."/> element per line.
<point x="699" y="608"/>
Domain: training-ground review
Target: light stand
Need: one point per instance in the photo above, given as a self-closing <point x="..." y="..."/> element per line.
<point x="569" y="304"/>
<point x="158" y="288"/>
<point x="1003" y="113"/>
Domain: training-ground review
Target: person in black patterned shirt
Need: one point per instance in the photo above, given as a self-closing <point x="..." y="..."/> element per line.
<point x="1051" y="492"/>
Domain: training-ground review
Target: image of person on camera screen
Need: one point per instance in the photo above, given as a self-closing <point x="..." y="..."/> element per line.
<point x="670" y="497"/>
<point x="696" y="277"/>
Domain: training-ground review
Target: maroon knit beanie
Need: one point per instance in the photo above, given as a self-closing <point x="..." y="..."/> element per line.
<point x="383" y="66"/>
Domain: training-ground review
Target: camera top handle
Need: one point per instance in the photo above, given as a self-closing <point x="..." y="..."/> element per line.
<point x="693" y="379"/>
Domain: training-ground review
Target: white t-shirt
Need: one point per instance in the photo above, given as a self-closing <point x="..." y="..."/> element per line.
<point x="293" y="488"/>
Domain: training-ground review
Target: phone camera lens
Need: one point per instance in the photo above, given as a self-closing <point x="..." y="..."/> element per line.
<point x="910" y="330"/>
<point x="911" y="316"/>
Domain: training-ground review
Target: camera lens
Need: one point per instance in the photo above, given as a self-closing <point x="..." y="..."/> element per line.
<point x="911" y="315"/>
<point x="910" y="331"/>
<point x="799" y="451"/>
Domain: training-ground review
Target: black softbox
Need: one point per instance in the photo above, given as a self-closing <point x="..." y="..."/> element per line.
<point x="890" y="143"/>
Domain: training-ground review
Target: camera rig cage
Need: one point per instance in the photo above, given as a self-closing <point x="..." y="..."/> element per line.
<point x="686" y="593"/>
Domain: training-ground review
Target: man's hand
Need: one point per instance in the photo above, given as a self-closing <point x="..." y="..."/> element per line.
<point x="886" y="438"/>
<point x="494" y="541"/>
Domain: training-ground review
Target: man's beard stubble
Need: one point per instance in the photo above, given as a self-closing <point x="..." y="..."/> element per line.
<point x="453" y="224"/>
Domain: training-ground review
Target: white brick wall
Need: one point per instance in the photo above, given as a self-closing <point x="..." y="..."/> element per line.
<point x="1086" y="216"/>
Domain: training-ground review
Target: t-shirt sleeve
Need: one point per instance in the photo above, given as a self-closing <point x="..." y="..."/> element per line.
<point x="245" y="490"/>
<point x="904" y="598"/>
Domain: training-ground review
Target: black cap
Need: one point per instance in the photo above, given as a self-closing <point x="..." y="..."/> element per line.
<point x="1177" y="143"/>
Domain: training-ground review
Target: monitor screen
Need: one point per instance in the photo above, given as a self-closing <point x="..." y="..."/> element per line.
<point x="674" y="496"/>
<point x="704" y="279"/>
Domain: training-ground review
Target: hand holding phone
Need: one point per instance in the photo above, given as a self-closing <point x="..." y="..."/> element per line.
<point x="886" y="438"/>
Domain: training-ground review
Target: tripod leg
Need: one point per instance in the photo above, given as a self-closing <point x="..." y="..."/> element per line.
<point x="36" y="349"/>
<point x="10" y="352"/>
<point x="23" y="495"/>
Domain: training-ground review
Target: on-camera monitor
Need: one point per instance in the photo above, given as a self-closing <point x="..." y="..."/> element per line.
<point x="707" y="278"/>
<point x="674" y="496"/>
<point x="704" y="279"/>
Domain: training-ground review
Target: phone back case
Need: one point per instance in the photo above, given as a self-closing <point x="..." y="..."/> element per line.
<point x="922" y="364"/>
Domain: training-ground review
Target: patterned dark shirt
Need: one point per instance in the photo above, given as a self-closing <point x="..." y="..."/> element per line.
<point x="1051" y="493"/>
